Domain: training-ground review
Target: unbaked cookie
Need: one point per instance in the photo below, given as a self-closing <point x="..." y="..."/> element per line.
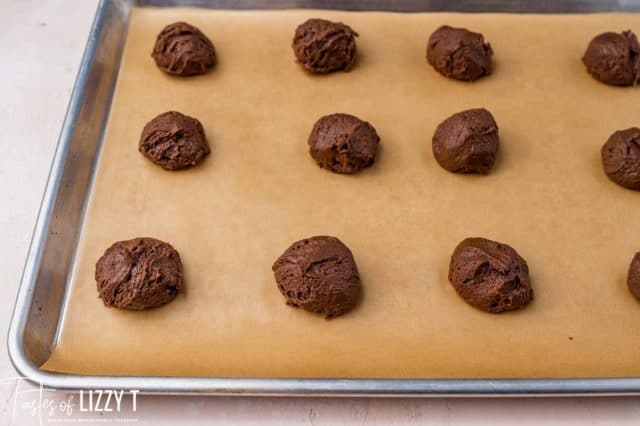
<point x="138" y="274"/>
<point x="459" y="53"/>
<point x="343" y="143"/>
<point x="490" y="275"/>
<point x="174" y="141"/>
<point x="322" y="46"/>
<point x="318" y="274"/>
<point x="181" y="49"/>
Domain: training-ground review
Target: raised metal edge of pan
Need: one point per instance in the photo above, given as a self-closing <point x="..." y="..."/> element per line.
<point x="40" y="301"/>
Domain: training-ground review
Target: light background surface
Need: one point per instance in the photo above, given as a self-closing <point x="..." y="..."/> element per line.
<point x="40" y="46"/>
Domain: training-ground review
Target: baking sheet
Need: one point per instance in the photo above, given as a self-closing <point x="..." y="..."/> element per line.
<point x="259" y="191"/>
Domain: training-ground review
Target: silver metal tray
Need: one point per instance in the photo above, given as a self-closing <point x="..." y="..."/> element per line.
<point x="39" y="306"/>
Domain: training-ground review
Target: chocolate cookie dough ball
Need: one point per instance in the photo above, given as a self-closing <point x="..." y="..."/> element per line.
<point x="459" y="53"/>
<point x="181" y="49"/>
<point x="614" y="58"/>
<point x="621" y="158"/>
<point x="343" y="143"/>
<point x="633" y="279"/>
<point x="490" y="275"/>
<point x="320" y="275"/>
<point x="323" y="46"/>
<point x="174" y="141"/>
<point x="467" y="142"/>
<point x="138" y="274"/>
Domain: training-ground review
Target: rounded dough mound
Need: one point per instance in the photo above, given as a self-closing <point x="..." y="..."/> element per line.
<point x="343" y="143"/>
<point x="614" y="58"/>
<point x="182" y="49"/>
<point x="459" y="53"/>
<point x="138" y="274"/>
<point x="633" y="278"/>
<point x="323" y="46"/>
<point x="467" y="142"/>
<point x="490" y="275"/>
<point x="174" y="141"/>
<point x="621" y="158"/>
<point x="318" y="274"/>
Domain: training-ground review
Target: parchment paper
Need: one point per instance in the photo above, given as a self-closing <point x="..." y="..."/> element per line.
<point x="231" y="217"/>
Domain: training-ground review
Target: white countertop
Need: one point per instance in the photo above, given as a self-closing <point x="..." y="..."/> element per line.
<point x="40" y="48"/>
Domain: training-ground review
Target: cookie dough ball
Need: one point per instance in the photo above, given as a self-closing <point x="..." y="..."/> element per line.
<point x="490" y="275"/>
<point x="320" y="275"/>
<point x="459" y="53"/>
<point x="174" y="141"/>
<point x="138" y="274"/>
<point x="621" y="158"/>
<point x="614" y="58"/>
<point x="323" y="46"/>
<point x="181" y="49"/>
<point x="467" y="142"/>
<point x="343" y="143"/>
<point x="633" y="279"/>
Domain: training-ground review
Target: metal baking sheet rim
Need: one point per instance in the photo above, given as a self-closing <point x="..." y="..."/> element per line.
<point x="251" y="386"/>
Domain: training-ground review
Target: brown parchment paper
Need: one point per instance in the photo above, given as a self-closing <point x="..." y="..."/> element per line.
<point x="231" y="217"/>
